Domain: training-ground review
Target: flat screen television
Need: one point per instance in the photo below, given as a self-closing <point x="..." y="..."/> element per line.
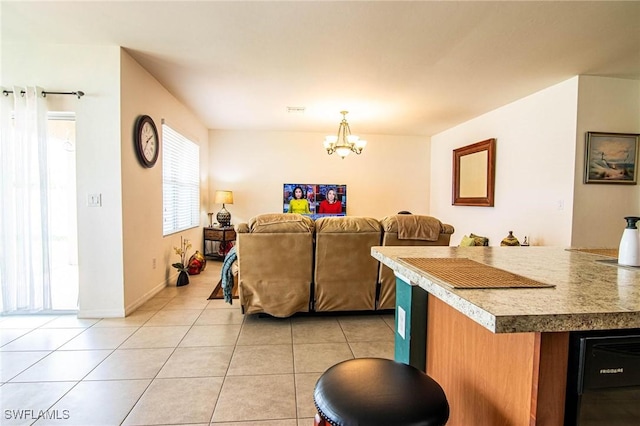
<point x="319" y="199"/>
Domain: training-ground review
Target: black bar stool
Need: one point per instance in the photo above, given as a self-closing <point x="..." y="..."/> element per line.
<point x="378" y="392"/>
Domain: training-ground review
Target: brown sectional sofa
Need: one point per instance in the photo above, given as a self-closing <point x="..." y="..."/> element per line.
<point x="287" y="263"/>
<point x="418" y="236"/>
<point x="345" y="273"/>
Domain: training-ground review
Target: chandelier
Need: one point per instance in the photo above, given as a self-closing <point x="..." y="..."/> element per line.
<point x="344" y="142"/>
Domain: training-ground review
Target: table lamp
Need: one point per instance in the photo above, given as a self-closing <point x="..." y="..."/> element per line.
<point x="223" y="216"/>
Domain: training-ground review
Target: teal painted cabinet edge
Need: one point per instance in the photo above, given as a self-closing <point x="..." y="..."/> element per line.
<point x="411" y="325"/>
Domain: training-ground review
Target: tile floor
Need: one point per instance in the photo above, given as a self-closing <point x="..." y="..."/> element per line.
<point x="178" y="359"/>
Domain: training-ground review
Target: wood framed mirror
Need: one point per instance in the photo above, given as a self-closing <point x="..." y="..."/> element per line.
<point x="474" y="174"/>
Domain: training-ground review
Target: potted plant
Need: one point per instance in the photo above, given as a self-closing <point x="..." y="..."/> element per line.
<point x="183" y="276"/>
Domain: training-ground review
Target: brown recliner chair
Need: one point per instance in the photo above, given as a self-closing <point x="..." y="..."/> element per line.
<point x="408" y="230"/>
<point x="275" y="264"/>
<point x="345" y="273"/>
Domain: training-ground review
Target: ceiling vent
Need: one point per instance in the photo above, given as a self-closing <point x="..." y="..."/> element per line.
<point x="295" y="110"/>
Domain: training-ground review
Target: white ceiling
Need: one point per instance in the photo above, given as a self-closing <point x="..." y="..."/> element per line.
<point x="400" y="68"/>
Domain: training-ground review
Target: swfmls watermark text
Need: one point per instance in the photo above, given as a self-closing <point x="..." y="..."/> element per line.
<point x="37" y="414"/>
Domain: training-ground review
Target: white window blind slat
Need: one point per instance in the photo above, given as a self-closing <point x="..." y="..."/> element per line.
<point x="180" y="182"/>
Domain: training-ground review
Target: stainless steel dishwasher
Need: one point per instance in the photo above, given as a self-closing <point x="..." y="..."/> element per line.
<point x="603" y="380"/>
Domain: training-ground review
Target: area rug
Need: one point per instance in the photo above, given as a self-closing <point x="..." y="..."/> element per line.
<point x="218" y="294"/>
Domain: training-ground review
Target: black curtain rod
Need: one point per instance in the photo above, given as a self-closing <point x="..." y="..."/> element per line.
<point x="78" y="93"/>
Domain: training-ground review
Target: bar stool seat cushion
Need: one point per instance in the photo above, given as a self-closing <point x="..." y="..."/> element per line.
<point x="376" y="391"/>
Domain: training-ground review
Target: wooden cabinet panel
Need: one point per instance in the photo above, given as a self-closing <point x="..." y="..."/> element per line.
<point x="495" y="379"/>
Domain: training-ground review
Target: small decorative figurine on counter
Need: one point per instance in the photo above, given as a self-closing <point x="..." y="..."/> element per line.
<point x="510" y="240"/>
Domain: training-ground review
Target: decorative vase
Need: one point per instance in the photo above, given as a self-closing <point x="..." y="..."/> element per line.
<point x="510" y="240"/>
<point x="197" y="263"/>
<point x="183" y="279"/>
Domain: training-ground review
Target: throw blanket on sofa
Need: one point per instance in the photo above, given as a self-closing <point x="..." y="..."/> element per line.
<point x="412" y="227"/>
<point x="227" y="275"/>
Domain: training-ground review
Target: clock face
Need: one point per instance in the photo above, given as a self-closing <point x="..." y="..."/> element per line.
<point x="146" y="141"/>
<point x="149" y="142"/>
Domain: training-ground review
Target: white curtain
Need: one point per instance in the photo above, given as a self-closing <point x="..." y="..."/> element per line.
<point x="24" y="225"/>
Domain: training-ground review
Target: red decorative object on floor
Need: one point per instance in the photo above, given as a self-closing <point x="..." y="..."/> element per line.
<point x="197" y="263"/>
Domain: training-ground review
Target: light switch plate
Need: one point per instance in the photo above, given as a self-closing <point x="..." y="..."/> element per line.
<point x="94" y="200"/>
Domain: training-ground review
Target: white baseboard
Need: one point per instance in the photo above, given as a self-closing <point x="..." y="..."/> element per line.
<point x="144" y="298"/>
<point x="101" y="313"/>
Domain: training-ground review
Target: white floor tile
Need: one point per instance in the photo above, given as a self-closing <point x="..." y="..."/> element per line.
<point x="137" y="318"/>
<point x="211" y="335"/>
<point x="26" y="321"/>
<point x="14" y="363"/>
<point x="198" y="362"/>
<point x="156" y="337"/>
<point x="98" y="403"/>
<point x="21" y="403"/>
<point x="176" y="401"/>
<point x="180" y="359"/>
<point x="42" y="339"/>
<point x="276" y="403"/>
<point x="174" y="317"/>
<point x="99" y="338"/>
<point x="70" y="321"/>
<point x="10" y="334"/>
<point x="131" y="364"/>
<point x="261" y="359"/>
<point x="62" y="366"/>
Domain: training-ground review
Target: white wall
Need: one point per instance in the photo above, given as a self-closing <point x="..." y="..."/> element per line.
<point x="143" y="242"/>
<point x="117" y="241"/>
<point x="604" y="105"/>
<point x="94" y="70"/>
<point x="535" y="151"/>
<point x="392" y="173"/>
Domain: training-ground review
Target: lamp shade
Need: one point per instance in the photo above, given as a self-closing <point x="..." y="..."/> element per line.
<point x="223" y="197"/>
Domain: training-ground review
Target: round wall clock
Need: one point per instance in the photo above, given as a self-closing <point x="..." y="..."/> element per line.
<point x="146" y="140"/>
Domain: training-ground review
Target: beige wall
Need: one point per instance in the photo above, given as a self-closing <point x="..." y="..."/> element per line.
<point x="604" y="105"/>
<point x="535" y="151"/>
<point x="142" y="188"/>
<point x="392" y="174"/>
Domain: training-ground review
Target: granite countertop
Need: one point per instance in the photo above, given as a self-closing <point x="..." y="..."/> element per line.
<point x="588" y="295"/>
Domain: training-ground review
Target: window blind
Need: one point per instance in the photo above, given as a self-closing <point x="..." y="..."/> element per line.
<point x="180" y="182"/>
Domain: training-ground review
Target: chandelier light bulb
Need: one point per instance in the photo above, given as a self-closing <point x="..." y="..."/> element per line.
<point x="343" y="151"/>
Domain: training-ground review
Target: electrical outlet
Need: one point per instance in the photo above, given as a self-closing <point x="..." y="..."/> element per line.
<point x="402" y="319"/>
<point x="153" y="263"/>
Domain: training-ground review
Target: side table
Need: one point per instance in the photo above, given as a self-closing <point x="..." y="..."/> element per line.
<point x="223" y="236"/>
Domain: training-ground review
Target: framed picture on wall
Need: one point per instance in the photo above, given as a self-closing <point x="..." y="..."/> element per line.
<point x="611" y="158"/>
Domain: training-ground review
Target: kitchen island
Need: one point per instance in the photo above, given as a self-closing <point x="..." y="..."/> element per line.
<point x="501" y="354"/>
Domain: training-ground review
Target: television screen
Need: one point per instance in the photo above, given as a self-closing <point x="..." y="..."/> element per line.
<point x="314" y="199"/>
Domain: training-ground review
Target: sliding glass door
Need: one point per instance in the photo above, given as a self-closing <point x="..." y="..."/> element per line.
<point x="62" y="211"/>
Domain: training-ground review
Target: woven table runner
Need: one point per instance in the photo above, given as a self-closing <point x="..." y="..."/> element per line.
<point x="600" y="251"/>
<point x="467" y="273"/>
